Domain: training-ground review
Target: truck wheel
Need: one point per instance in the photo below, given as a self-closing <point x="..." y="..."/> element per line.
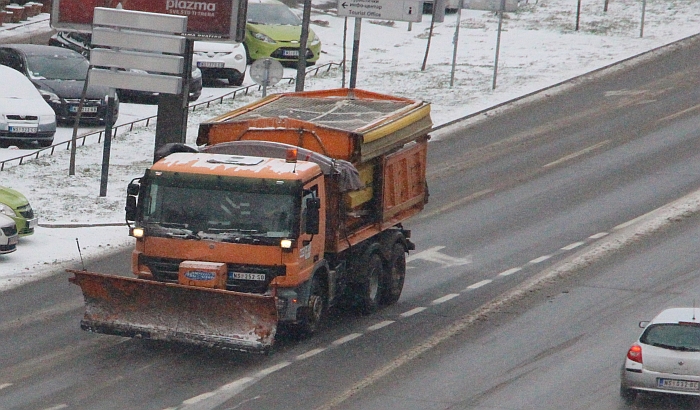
<point x="315" y="313"/>
<point x="370" y="288"/>
<point x="395" y="276"/>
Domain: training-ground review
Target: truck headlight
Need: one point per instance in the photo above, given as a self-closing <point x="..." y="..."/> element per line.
<point x="137" y="232"/>
<point x="286" y="244"/>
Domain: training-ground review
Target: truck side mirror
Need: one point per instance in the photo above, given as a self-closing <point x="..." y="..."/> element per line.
<point x="130" y="208"/>
<point x="313" y="216"/>
<point x="132" y="192"/>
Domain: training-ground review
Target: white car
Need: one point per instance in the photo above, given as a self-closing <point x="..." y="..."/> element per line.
<point x="25" y="116"/>
<point x="221" y="60"/>
<point x="666" y="357"/>
<point x="8" y="234"/>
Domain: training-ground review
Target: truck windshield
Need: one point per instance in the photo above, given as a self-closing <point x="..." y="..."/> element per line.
<point x="217" y="209"/>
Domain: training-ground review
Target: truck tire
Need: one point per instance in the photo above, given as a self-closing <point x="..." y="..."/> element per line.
<point x="370" y="288"/>
<point x="314" y="314"/>
<point x="395" y="276"/>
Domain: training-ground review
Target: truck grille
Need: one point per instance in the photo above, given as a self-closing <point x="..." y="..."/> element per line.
<point x="167" y="270"/>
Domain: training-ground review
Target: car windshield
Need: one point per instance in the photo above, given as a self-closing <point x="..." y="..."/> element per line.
<point x="673" y="336"/>
<point x="58" y="66"/>
<point x="279" y="14"/>
<point x="197" y="209"/>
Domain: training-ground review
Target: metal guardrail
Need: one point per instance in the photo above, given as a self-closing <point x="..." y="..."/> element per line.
<point x="145" y="122"/>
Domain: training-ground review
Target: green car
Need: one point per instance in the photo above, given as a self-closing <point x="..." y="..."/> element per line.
<point x="16" y="206"/>
<point x="273" y="30"/>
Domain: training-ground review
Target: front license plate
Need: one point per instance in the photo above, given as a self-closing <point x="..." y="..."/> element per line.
<point x="33" y="222"/>
<point x="23" y="130"/>
<point x="678" y="384"/>
<point x="13" y="240"/>
<point x="248" y="276"/>
<point x="210" y="64"/>
<point x="74" y="108"/>
<point x="290" y="53"/>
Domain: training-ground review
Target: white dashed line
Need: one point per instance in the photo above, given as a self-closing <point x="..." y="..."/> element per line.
<point x="412" y="312"/>
<point x="272" y="369"/>
<point x="310" y="353"/>
<point x="573" y="246"/>
<point x="380" y="325"/>
<point x="478" y="284"/>
<point x="5" y="385"/>
<point x="346" y="339"/>
<point x="540" y="259"/>
<point x="598" y="235"/>
<point x="444" y="298"/>
<point x="510" y="271"/>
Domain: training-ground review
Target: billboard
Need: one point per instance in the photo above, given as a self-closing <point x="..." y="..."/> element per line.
<point x="206" y="19"/>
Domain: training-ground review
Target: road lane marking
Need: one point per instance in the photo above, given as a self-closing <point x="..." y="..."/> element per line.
<point x="433" y="255"/>
<point x="573" y="246"/>
<point x="478" y="285"/>
<point x="510" y="271"/>
<point x="598" y="235"/>
<point x="272" y="369"/>
<point x="412" y="312"/>
<point x="310" y="353"/>
<point x="577" y="154"/>
<point x="444" y="298"/>
<point x="380" y="325"/>
<point x="540" y="259"/>
<point x="351" y="336"/>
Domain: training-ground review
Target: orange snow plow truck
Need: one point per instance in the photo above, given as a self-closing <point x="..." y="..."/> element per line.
<point x="288" y="206"/>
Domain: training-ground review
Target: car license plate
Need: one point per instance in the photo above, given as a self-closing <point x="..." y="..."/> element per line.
<point x="13" y="240"/>
<point x="74" y="108"/>
<point x="24" y="130"/>
<point x="290" y="53"/>
<point x="678" y="384"/>
<point x="248" y="276"/>
<point x="210" y="64"/>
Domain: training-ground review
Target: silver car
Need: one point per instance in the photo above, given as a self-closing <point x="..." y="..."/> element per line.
<point x="666" y="357"/>
<point x="8" y="235"/>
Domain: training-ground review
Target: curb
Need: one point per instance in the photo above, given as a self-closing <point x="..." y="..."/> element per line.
<point x="81" y="225"/>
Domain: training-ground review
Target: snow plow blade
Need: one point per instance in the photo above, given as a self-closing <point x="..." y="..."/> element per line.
<point x="132" y="307"/>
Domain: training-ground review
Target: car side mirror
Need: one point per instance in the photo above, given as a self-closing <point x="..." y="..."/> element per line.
<point x="643" y="324"/>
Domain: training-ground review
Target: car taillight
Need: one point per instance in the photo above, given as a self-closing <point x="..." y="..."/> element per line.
<point x="635" y="353"/>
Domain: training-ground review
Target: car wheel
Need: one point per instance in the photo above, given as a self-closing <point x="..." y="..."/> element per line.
<point x="628" y="395"/>
<point x="235" y="78"/>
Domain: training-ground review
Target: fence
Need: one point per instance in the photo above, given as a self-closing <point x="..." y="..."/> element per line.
<point x="145" y="122"/>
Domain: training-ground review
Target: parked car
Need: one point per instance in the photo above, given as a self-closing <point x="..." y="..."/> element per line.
<point x="666" y="357"/>
<point x="24" y="114"/>
<point x="16" y="206"/>
<point x="273" y="30"/>
<point x="8" y="235"/>
<point x="221" y="60"/>
<point x="59" y="74"/>
<point x="81" y="43"/>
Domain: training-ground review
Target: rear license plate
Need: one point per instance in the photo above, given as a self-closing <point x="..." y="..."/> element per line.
<point x="23" y="130"/>
<point x="290" y="53"/>
<point x="13" y="240"/>
<point x="210" y="64"/>
<point x="678" y="384"/>
<point x="248" y="276"/>
<point x="74" y="108"/>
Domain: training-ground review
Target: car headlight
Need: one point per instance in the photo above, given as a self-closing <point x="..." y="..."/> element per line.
<point x="47" y="119"/>
<point x="5" y="209"/>
<point x="49" y="96"/>
<point x="264" y="38"/>
<point x="313" y="39"/>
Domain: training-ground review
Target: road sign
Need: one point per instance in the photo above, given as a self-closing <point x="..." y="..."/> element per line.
<point x="402" y="10"/>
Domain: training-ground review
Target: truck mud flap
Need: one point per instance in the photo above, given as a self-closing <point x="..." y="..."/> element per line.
<point x="132" y="307"/>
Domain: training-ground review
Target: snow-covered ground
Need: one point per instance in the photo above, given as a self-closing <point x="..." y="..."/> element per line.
<point x="539" y="47"/>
